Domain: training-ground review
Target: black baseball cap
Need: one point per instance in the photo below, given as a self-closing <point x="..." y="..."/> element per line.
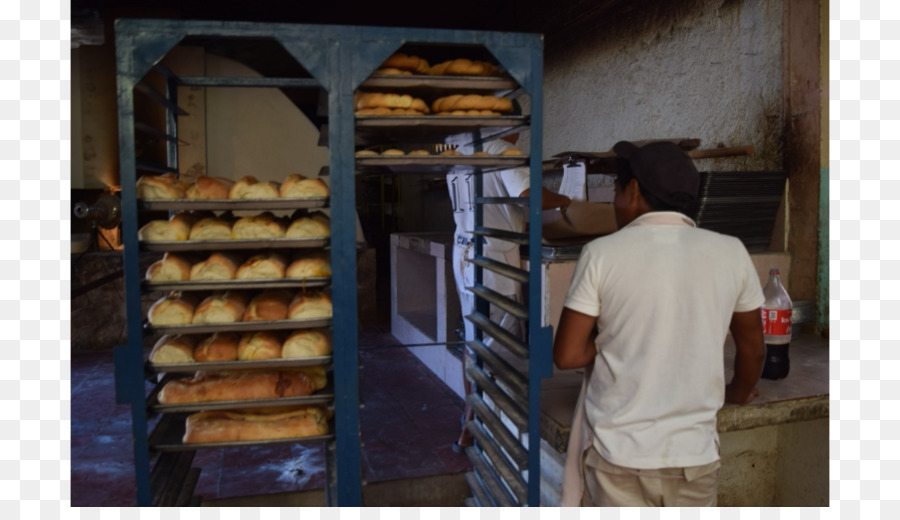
<point x="663" y="170"/>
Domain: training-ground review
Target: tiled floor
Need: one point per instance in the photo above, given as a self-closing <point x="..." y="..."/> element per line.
<point x="408" y="424"/>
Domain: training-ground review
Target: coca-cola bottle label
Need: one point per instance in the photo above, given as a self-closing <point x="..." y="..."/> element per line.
<point x="776" y="322"/>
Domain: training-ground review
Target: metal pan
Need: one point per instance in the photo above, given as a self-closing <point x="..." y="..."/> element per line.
<point x="221" y="245"/>
<point x="169" y="432"/>
<point x="224" y="285"/>
<point x="229" y="204"/>
<point x="324" y="396"/>
<point x="242" y="326"/>
<point x="241" y="365"/>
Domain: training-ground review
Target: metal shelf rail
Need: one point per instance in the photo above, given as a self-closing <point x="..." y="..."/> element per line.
<point x="339" y="58"/>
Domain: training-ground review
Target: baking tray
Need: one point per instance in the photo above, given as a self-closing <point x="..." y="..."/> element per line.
<point x="169" y="432"/>
<point x="444" y="122"/>
<point x="241" y="365"/>
<point x="224" y="285"/>
<point x="221" y="245"/>
<point x="505" y="161"/>
<point x="229" y="204"/>
<point x="242" y="326"/>
<point x="459" y="84"/>
<point x="324" y="396"/>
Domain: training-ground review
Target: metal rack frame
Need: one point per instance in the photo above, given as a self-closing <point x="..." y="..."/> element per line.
<point x="339" y="58"/>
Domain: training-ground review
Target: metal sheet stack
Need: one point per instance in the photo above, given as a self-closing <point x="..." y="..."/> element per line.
<point x="740" y="204"/>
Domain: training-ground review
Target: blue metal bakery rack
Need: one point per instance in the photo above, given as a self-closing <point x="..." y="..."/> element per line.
<point x="339" y="59"/>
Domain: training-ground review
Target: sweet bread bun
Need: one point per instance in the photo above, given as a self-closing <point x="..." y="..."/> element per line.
<point x="404" y="62"/>
<point x="467" y="102"/>
<point x="175" y="229"/>
<point x="250" y="187"/>
<point x="464" y="67"/>
<point x="393" y="152"/>
<point x="315" y="224"/>
<point x="221" y="346"/>
<point x="240" y="385"/>
<point x="366" y="100"/>
<point x="161" y="187"/>
<point x="171" y="268"/>
<point x="221" y="307"/>
<point x="264" y="266"/>
<point x="176" y="308"/>
<point x="219" y="266"/>
<point x="296" y="186"/>
<point x="309" y="305"/>
<point x="269" y="305"/>
<point x="264" y="225"/>
<point x="209" y="188"/>
<point x="259" y="345"/>
<point x="211" y="228"/>
<point x="307" y="343"/>
<point x="173" y="349"/>
<point x="218" y="426"/>
<point x="315" y="264"/>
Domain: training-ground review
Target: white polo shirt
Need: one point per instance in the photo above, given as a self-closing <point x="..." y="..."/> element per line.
<point x="664" y="292"/>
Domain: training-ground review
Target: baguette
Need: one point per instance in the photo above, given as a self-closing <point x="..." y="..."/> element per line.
<point x="236" y="426"/>
<point x="206" y="387"/>
<point x="296" y="186"/>
<point x="309" y="305"/>
<point x="173" y="349"/>
<point x="209" y="188"/>
<point x="175" y="308"/>
<point x="264" y="225"/>
<point x="269" y="305"/>
<point x="315" y="225"/>
<point x="171" y="268"/>
<point x="161" y="187"/>
<point x="219" y="266"/>
<point x="221" y="307"/>
<point x="259" y="345"/>
<point x="221" y="346"/>
<point x="315" y="264"/>
<point x="211" y="228"/>
<point x="264" y="266"/>
<point x="250" y="187"/>
<point x="307" y="343"/>
<point x="175" y="229"/>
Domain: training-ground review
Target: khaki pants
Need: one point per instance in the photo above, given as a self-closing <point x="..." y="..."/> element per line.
<point x="608" y="485"/>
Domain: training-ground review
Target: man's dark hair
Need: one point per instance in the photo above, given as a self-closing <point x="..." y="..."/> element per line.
<point x="624" y="176"/>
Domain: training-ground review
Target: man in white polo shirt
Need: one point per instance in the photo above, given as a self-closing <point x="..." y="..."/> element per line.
<point x="647" y="312"/>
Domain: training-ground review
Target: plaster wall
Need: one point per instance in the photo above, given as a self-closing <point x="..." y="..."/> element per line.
<point x="704" y="69"/>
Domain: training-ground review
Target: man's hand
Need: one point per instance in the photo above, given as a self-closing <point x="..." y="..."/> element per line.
<point x="746" y="329"/>
<point x="573" y="346"/>
<point x="732" y="395"/>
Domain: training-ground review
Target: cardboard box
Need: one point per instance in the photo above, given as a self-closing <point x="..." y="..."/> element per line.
<point x="581" y="220"/>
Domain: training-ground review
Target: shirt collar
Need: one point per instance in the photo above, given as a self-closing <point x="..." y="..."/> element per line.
<point x="662" y="218"/>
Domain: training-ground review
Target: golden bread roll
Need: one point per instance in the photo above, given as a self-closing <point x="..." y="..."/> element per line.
<point x="219" y="266"/>
<point x="307" y="343"/>
<point x="366" y="100"/>
<point x="211" y="228"/>
<point x="264" y="225"/>
<point x="404" y="62"/>
<point x="315" y="264"/>
<point x="241" y="385"/>
<point x="259" y="345"/>
<point x="464" y="67"/>
<point x="221" y="346"/>
<point x="264" y="266"/>
<point x="250" y="187"/>
<point x="511" y="151"/>
<point x="419" y="152"/>
<point x="173" y="349"/>
<point x="206" y="188"/>
<point x="218" y="426"/>
<point x="296" y="186"/>
<point x="366" y="153"/>
<point x="390" y="71"/>
<point x="310" y="305"/>
<point x="315" y="224"/>
<point x="171" y="268"/>
<point x="269" y="305"/>
<point x="175" y="229"/>
<point x="393" y="152"/>
<point x="466" y="102"/>
<point x="161" y="187"/>
<point x="221" y="307"/>
<point x="176" y="308"/>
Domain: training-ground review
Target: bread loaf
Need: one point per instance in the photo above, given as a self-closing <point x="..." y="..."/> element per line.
<point x="220" y="347"/>
<point x="307" y="343"/>
<point x="371" y="100"/>
<point x="313" y="225"/>
<point x="296" y="186"/>
<point x="250" y="187"/>
<point x="484" y="105"/>
<point x="464" y="67"/>
<point x="219" y="266"/>
<point x="207" y="387"/>
<point x="262" y="226"/>
<point x="209" y="188"/>
<point x="221" y="307"/>
<point x="171" y="268"/>
<point x="161" y="187"/>
<point x="264" y="266"/>
<point x="269" y="305"/>
<point x="176" y="308"/>
<point x="175" y="229"/>
<point x="310" y="305"/>
<point x="211" y="228"/>
<point x="259" y="345"/>
<point x="315" y="264"/>
<point x="173" y="349"/>
<point x="215" y="426"/>
<point x="404" y="62"/>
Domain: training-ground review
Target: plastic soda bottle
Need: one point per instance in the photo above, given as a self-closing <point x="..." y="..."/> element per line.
<point x="776" y="320"/>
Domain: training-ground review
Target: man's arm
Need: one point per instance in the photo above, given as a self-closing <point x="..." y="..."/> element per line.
<point x="746" y="329"/>
<point x="574" y="343"/>
<point x="550" y="200"/>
